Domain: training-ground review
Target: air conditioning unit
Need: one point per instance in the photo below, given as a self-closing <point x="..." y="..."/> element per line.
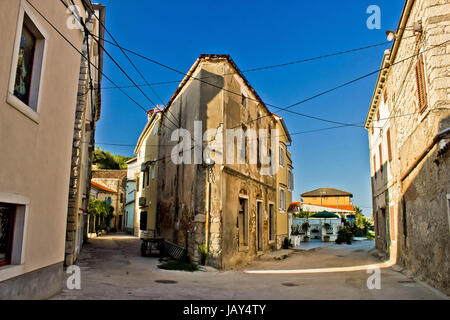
<point x="142" y="201"/>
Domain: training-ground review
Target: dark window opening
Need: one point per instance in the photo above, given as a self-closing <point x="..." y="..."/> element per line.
<point x="7" y="217"/>
<point x="22" y="85"/>
<point x="143" y="221"/>
<point x="271" y="222"/>
<point x="242" y="222"/>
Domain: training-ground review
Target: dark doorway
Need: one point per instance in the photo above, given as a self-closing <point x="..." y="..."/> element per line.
<point x="143" y="221"/>
<point x="259" y="225"/>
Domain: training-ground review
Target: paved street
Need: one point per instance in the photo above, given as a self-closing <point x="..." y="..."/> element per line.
<point x="111" y="268"/>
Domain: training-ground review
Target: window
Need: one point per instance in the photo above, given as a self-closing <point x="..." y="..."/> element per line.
<point x="108" y="200"/>
<point x="242" y="222"/>
<point x="388" y="140"/>
<point x="290" y="180"/>
<point x="282" y="200"/>
<point x="282" y="156"/>
<point x="243" y="100"/>
<point x="147" y="174"/>
<point x="271" y="222"/>
<point x="7" y="217"/>
<point x="153" y="172"/>
<point x="23" y="91"/>
<point x="121" y="197"/>
<point x="22" y="85"/>
<point x="421" y="84"/>
<point x="155" y="128"/>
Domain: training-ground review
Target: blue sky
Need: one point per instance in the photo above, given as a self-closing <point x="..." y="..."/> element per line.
<point x="259" y="33"/>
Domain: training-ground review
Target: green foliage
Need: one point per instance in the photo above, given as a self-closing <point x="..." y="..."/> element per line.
<point x="106" y="160"/>
<point x="295" y="230"/>
<point x="100" y="208"/>
<point x="305" y="226"/>
<point x="204" y="252"/>
<point x="179" y="265"/>
<point x="103" y="213"/>
<point x="303" y="214"/>
<point x="344" y="235"/>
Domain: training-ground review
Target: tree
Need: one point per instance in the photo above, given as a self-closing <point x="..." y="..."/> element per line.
<point x="103" y="159"/>
<point x="102" y="212"/>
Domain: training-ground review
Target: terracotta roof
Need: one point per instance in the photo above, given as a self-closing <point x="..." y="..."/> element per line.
<point x="101" y="187"/>
<point x="293" y="206"/>
<point x="109" y="174"/>
<point x="326" y="192"/>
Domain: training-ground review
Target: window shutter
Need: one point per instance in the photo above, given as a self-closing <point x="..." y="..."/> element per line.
<point x="374" y="166"/>
<point x="388" y="139"/>
<point x="421" y="85"/>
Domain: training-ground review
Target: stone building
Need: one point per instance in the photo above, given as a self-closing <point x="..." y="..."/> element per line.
<point x="115" y="180"/>
<point x="221" y="194"/>
<point x="408" y="124"/>
<point x="279" y="229"/>
<point x="147" y="151"/>
<point x="39" y="76"/>
<point x="87" y="113"/>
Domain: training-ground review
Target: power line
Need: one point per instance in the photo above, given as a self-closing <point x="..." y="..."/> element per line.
<point x="124" y="53"/>
<point x="232" y="92"/>
<point x="292" y="134"/>
<point x="281" y="109"/>
<point x="76" y="49"/>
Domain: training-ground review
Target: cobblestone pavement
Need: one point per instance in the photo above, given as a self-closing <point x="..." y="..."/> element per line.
<point x="112" y="268"/>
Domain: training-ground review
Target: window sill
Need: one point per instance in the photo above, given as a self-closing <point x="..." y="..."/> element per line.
<point x="22" y="108"/>
<point x="10" y="271"/>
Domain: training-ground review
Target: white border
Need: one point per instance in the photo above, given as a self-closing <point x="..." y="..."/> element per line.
<point x="10" y="98"/>
<point x="14" y="270"/>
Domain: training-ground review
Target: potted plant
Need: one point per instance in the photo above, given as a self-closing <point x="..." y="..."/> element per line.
<point x="295" y="235"/>
<point x="305" y="228"/>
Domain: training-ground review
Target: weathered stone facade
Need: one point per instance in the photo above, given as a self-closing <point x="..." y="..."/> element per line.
<point x="86" y="115"/>
<point x="200" y="205"/>
<point x="410" y="180"/>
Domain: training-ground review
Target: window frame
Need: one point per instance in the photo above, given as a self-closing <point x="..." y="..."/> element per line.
<point x="282" y="156"/>
<point x="12" y="212"/>
<point x="272" y="222"/>
<point x="282" y="200"/>
<point x="16" y="266"/>
<point x="243" y="244"/>
<point x="28" y="18"/>
<point x="421" y="84"/>
<point x="389" y="145"/>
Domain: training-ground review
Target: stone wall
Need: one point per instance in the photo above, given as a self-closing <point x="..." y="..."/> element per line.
<point x="416" y="213"/>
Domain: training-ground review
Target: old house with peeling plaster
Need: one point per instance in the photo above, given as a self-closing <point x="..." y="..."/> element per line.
<point x="409" y="138"/>
<point x="228" y="205"/>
